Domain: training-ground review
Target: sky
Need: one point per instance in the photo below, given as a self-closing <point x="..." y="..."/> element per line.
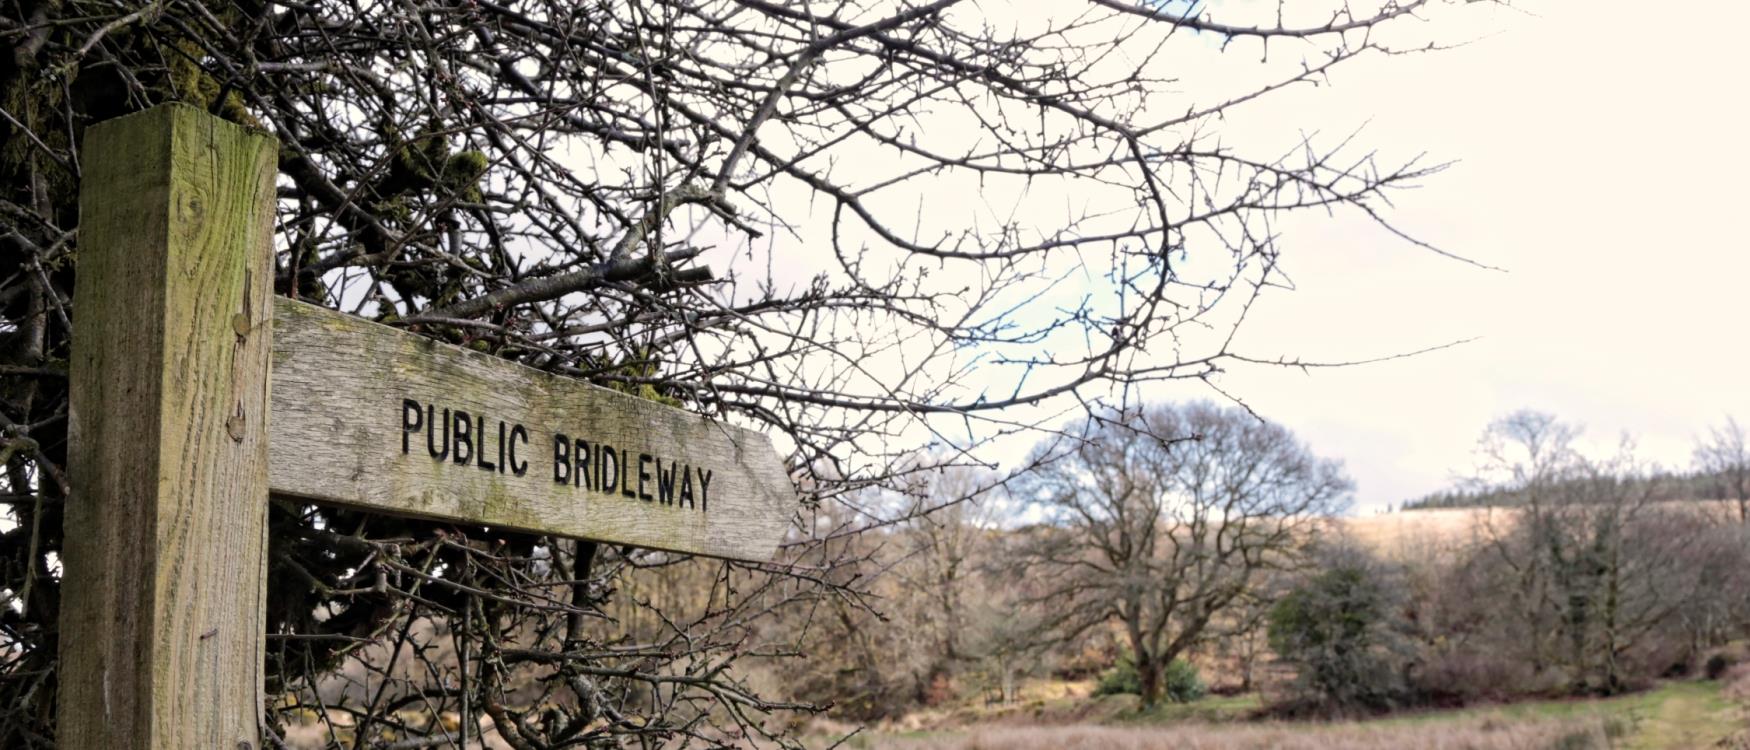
<point x="1600" y="150"/>
<point x="1595" y="149"/>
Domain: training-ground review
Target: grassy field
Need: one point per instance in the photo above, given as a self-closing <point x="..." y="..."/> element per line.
<point x="1676" y="716"/>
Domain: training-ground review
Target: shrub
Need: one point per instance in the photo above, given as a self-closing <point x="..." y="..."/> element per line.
<point x="1579" y="739"/>
<point x="1737" y="683"/>
<point x="1470" y="674"/>
<point x="1336" y="628"/>
<point x="1717" y="665"/>
<point x="1656" y="655"/>
<point x="1121" y="679"/>
<point x="1181" y="683"/>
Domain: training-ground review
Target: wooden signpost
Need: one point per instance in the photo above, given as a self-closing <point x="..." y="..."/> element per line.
<point x="196" y="395"/>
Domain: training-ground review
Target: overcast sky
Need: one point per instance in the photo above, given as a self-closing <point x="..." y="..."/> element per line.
<point x="1598" y="149"/>
<point x="1601" y="150"/>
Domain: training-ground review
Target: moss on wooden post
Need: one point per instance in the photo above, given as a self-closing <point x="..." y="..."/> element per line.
<point x="162" y="607"/>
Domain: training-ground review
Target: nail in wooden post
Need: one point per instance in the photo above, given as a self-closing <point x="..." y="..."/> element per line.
<point x="166" y="535"/>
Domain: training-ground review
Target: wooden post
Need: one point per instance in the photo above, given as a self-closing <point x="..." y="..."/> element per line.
<point x="166" y="535"/>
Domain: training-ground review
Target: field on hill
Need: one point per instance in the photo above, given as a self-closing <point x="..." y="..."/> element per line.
<point x="1413" y="533"/>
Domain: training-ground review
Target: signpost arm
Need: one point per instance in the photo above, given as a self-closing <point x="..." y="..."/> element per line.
<point x="164" y="565"/>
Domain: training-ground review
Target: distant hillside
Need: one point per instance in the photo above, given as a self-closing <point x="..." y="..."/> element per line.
<point x="1437" y="533"/>
<point x="1423" y="534"/>
<point x="1664" y="488"/>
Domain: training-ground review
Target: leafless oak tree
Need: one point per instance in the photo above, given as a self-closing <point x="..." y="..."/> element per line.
<point x="1159" y="519"/>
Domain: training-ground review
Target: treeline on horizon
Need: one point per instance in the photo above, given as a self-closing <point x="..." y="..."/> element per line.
<point x="1662" y="486"/>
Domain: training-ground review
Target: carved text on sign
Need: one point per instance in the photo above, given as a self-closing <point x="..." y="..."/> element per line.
<point x="500" y="446"/>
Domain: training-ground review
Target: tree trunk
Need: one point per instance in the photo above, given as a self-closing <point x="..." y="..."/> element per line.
<point x="1612" y="611"/>
<point x="1148" y="672"/>
<point x="1248" y="662"/>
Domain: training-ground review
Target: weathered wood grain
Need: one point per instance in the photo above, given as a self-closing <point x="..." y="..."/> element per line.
<point x="341" y="388"/>
<point x="163" y="587"/>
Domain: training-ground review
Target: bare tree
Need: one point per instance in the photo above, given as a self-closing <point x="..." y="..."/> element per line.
<point x="1159" y="519"/>
<point x="1527" y="456"/>
<point x="1724" y="457"/>
<point x="943" y="549"/>
<point x="821" y="220"/>
<point x="1594" y="566"/>
<point x="1241" y="634"/>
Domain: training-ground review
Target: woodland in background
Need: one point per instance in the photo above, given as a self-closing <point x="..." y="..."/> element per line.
<point x="816" y="220"/>
<point x="1585" y="581"/>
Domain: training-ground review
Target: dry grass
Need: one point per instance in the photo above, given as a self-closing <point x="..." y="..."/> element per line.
<point x="1691" y="715"/>
<point x="1416" y="533"/>
<point x="1483" y="734"/>
<point x="1737" y="683"/>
